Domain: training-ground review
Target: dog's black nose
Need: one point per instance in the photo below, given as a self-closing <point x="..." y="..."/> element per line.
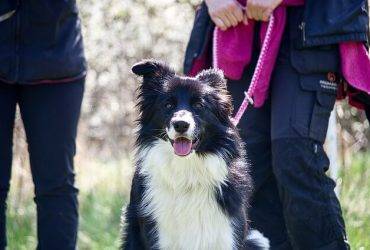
<point x="181" y="126"/>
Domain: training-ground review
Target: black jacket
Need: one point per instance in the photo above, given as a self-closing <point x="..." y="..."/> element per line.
<point x="40" y="41"/>
<point x="315" y="29"/>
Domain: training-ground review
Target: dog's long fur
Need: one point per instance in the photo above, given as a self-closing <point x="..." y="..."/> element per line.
<point x="197" y="201"/>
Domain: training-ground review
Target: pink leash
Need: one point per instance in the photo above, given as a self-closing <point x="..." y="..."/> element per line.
<point x="248" y="99"/>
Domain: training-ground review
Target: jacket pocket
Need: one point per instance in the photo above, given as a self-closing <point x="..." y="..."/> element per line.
<point x="315" y="60"/>
<point x="317" y="97"/>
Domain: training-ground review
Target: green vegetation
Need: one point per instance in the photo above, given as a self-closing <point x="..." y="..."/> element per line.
<point x="104" y="189"/>
<point x="355" y="199"/>
<point x="103" y="192"/>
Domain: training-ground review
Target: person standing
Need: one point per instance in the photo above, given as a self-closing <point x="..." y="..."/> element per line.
<point x="42" y="70"/>
<point x="293" y="204"/>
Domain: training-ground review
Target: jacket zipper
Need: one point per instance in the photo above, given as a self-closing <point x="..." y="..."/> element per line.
<point x="302" y="26"/>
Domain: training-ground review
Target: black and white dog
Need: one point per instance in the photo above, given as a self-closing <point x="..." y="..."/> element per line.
<point x="191" y="185"/>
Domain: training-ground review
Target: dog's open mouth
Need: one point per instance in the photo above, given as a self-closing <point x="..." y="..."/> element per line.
<point x="184" y="146"/>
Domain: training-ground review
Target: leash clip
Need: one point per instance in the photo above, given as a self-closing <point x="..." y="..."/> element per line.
<point x="249" y="98"/>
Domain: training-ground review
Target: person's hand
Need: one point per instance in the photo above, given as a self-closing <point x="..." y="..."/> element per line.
<point x="225" y="13"/>
<point x="261" y="10"/>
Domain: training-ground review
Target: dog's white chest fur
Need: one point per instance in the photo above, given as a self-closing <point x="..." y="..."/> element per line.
<point x="181" y="198"/>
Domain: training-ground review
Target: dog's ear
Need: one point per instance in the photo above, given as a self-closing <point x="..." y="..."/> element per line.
<point x="213" y="77"/>
<point x="216" y="79"/>
<point x="151" y="68"/>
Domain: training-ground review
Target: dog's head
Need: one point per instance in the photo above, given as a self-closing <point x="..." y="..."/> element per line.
<point x="193" y="114"/>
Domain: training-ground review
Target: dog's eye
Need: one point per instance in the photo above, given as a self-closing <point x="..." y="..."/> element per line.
<point x="169" y="105"/>
<point x="198" y="105"/>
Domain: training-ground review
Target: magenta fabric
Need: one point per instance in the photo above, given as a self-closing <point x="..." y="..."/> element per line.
<point x="199" y="64"/>
<point x="261" y="91"/>
<point x="355" y="65"/>
<point x="234" y="50"/>
<point x="234" y="46"/>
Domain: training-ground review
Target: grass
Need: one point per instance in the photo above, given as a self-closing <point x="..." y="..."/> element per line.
<point x="103" y="192"/>
<point x="355" y="200"/>
<point x="104" y="189"/>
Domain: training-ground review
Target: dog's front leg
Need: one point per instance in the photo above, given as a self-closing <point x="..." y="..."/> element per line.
<point x="137" y="231"/>
<point x="131" y="232"/>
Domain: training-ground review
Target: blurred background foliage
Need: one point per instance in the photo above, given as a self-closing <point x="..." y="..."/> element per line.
<point x="118" y="33"/>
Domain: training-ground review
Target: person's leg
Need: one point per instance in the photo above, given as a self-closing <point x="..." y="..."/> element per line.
<point x="8" y="101"/>
<point x="301" y="106"/>
<point x="265" y="209"/>
<point x="50" y="114"/>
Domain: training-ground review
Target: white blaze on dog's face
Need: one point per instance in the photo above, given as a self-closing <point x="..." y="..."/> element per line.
<point x="181" y="132"/>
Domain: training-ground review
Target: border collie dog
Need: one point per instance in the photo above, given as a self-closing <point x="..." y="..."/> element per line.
<point x="191" y="185"/>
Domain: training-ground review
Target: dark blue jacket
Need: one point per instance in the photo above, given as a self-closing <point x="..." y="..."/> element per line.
<point x="40" y="41"/>
<point x="315" y="30"/>
<point x="333" y="21"/>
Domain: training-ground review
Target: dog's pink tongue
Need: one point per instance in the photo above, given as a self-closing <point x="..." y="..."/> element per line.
<point x="182" y="146"/>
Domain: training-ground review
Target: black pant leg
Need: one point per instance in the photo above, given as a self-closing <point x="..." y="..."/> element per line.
<point x="301" y="106"/>
<point x="50" y="114"/>
<point x="8" y="101"/>
<point x="265" y="211"/>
